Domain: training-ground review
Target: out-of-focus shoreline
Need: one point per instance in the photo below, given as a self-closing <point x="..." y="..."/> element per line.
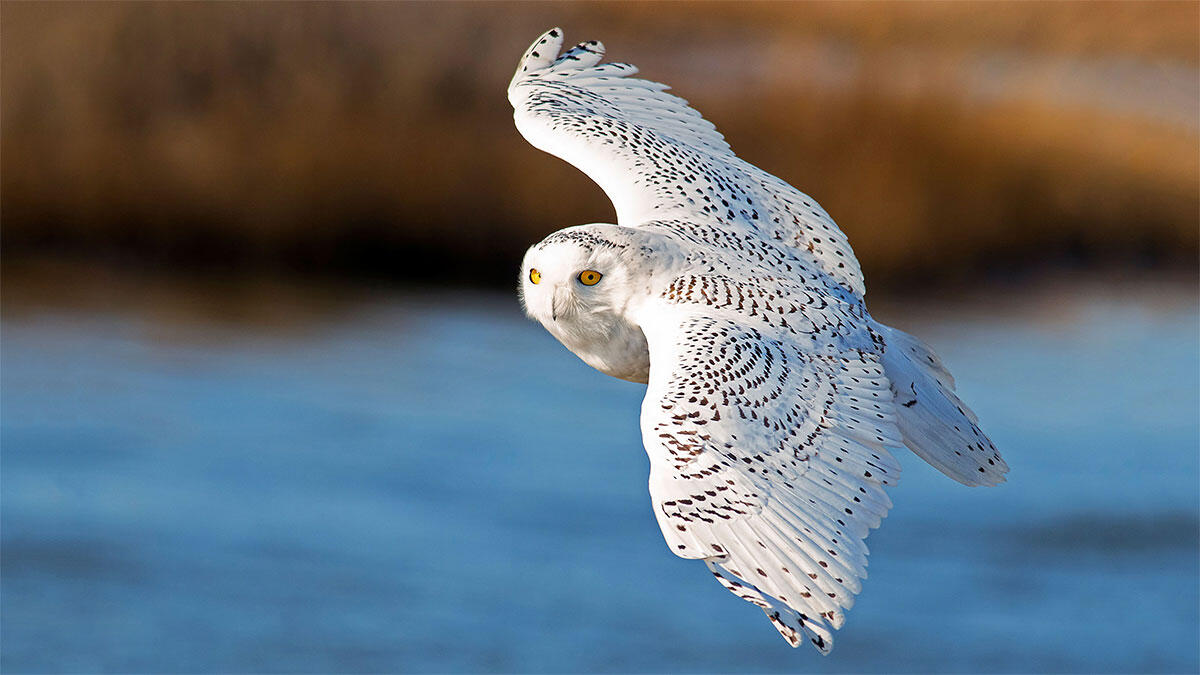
<point x="373" y="141"/>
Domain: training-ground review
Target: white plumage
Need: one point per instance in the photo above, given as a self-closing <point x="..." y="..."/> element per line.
<point x="774" y="399"/>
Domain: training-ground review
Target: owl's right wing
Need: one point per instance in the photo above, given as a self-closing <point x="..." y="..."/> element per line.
<point x="767" y="460"/>
<point x="657" y="158"/>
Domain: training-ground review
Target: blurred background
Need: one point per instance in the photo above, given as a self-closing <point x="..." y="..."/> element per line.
<point x="268" y="403"/>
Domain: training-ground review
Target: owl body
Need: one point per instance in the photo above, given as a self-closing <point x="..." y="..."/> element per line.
<point x="774" y="402"/>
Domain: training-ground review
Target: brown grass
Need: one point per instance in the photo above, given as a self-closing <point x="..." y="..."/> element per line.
<point x="377" y="137"/>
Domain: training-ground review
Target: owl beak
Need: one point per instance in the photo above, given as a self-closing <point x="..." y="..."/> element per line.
<point x="560" y="302"/>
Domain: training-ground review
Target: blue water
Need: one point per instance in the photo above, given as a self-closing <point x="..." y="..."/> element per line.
<point x="429" y="483"/>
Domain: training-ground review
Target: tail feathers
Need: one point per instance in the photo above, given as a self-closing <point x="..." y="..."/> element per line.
<point x="794" y="626"/>
<point x="935" y="424"/>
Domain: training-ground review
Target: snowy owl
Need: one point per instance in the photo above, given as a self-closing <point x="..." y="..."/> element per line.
<point x="774" y="400"/>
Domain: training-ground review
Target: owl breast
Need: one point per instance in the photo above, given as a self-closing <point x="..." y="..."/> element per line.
<point x="609" y="343"/>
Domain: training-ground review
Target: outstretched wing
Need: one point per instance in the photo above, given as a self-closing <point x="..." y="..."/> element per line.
<point x="768" y="459"/>
<point x="657" y="158"/>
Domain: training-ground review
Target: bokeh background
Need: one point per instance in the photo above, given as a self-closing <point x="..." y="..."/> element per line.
<point x="268" y="403"/>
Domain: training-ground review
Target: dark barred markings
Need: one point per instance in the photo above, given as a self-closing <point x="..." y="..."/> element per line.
<point x="785" y="308"/>
<point x="581" y="237"/>
<point x="773" y="310"/>
<point x="775" y="463"/>
<point x="768" y="285"/>
<point x="790" y="623"/>
<point x="718" y="250"/>
<point x="733" y="370"/>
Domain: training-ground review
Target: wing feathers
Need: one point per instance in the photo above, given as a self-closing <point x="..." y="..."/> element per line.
<point x="792" y="625"/>
<point x="779" y="489"/>
<point x="582" y="55"/>
<point x="640" y="144"/>
<point x="541" y="53"/>
<point x="935" y="424"/>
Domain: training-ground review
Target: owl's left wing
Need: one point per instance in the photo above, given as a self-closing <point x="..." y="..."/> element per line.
<point x="657" y="158"/>
<point x="767" y="459"/>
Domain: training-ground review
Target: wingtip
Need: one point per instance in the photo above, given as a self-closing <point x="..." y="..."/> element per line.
<point x="543" y="51"/>
<point x="541" y="54"/>
<point x="594" y="46"/>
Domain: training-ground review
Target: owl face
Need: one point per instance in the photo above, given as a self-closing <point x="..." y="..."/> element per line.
<point x="575" y="283"/>
<point x="570" y="274"/>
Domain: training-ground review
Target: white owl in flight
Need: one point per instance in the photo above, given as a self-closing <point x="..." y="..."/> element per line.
<point x="774" y="400"/>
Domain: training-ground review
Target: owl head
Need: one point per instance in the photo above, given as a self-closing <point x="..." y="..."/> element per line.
<point x="577" y="284"/>
<point x="573" y="273"/>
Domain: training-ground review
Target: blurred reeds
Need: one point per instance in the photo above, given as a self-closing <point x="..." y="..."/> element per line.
<point x="951" y="141"/>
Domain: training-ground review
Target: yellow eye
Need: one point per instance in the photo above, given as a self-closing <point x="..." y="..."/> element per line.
<point x="535" y="276"/>
<point x="589" y="277"/>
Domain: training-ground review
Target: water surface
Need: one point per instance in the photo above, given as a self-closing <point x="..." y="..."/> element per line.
<point x="289" y="480"/>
